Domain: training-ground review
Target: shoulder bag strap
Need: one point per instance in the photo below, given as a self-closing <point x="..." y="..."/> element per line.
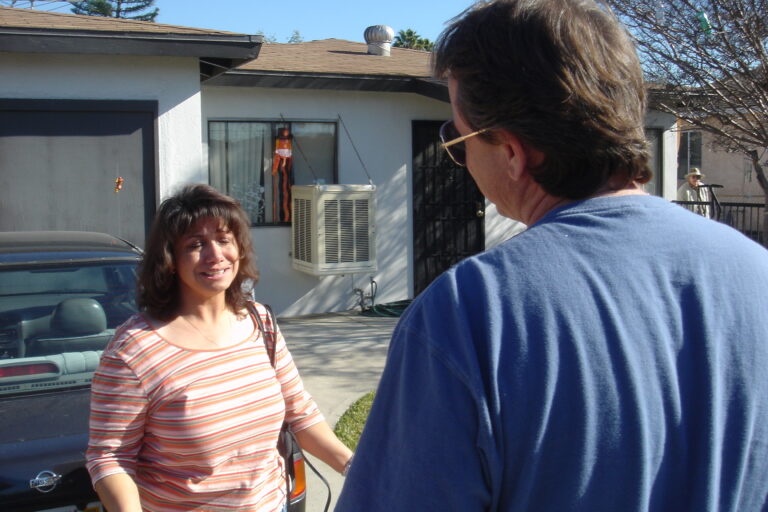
<point x="285" y="436"/>
<point x="269" y="340"/>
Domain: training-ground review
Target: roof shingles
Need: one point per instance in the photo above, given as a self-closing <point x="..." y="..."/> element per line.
<point x="11" y="18"/>
<point x="337" y="56"/>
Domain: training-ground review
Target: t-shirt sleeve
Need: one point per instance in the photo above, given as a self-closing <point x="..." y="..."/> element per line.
<point x="423" y="443"/>
<point x="118" y="413"/>
<point x="301" y="412"/>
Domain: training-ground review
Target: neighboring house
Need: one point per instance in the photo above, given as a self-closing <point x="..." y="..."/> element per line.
<point x="356" y="118"/>
<point x="733" y="171"/>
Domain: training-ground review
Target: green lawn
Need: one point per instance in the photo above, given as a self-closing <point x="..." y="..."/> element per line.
<point x="351" y="423"/>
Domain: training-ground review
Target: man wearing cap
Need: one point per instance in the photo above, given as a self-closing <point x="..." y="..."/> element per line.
<point x="693" y="191"/>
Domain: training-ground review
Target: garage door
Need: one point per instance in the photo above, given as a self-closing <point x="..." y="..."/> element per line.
<point x="59" y="162"/>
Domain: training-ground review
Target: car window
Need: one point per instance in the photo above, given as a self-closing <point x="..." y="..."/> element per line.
<point x="56" y="319"/>
<point x="25" y="282"/>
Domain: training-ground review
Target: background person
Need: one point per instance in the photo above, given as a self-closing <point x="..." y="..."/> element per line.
<point x="693" y="191"/>
<point x="186" y="407"/>
<point x="584" y="364"/>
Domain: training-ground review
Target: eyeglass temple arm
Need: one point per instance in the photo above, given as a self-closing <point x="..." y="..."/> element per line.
<point x="463" y="138"/>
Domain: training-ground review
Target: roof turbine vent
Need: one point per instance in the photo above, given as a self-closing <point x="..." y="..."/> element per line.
<point x="379" y="39"/>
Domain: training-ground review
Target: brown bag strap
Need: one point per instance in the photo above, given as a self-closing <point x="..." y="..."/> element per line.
<point x="269" y="340"/>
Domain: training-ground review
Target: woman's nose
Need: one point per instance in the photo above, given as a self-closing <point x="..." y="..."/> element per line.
<point x="213" y="252"/>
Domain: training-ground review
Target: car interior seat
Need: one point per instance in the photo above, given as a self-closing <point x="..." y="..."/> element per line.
<point x="77" y="325"/>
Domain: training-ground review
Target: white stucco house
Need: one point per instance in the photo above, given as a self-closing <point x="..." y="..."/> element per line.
<point x="85" y="100"/>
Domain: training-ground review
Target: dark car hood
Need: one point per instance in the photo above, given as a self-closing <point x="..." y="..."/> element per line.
<point x="45" y="432"/>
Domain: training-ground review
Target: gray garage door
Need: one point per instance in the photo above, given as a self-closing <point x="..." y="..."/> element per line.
<point x="59" y="162"/>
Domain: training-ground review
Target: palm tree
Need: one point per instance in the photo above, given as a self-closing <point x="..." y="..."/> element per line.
<point x="408" y="38"/>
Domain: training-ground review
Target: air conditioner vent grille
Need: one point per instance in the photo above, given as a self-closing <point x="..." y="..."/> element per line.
<point x="302" y="217"/>
<point x="362" y="240"/>
<point x="333" y="229"/>
<point x="346" y="231"/>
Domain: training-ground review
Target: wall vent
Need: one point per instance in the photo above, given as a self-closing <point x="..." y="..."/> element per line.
<point x="333" y="229"/>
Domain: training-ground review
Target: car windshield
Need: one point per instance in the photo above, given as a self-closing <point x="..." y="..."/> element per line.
<point x="55" y="319"/>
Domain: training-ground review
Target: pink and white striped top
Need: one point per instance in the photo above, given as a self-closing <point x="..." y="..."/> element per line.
<point x="196" y="429"/>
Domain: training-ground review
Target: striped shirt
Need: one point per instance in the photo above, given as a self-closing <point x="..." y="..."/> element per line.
<point x="196" y="429"/>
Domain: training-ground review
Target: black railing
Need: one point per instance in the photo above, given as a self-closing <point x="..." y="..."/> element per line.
<point x="749" y="218"/>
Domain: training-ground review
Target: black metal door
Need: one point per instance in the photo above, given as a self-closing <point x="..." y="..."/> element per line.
<point x="448" y="208"/>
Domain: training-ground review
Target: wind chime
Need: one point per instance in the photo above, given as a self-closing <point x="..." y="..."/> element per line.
<point x="282" y="164"/>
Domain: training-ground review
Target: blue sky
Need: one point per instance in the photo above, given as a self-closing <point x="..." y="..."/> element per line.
<point x="314" y="19"/>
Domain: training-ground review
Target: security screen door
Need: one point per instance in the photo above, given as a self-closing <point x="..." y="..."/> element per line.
<point x="448" y="208"/>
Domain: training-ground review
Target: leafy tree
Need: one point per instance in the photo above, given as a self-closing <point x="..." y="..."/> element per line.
<point x="267" y="38"/>
<point x="93" y="8"/>
<point x="709" y="61"/>
<point x="129" y="9"/>
<point x="295" y="37"/>
<point x="408" y="38"/>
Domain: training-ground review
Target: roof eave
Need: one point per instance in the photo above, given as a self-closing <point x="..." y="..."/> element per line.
<point x="216" y="53"/>
<point x="435" y="89"/>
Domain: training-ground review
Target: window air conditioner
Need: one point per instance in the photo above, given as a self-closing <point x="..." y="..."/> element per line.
<point x="332" y="229"/>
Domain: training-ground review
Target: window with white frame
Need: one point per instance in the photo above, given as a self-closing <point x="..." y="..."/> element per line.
<point x="689" y="152"/>
<point x="256" y="162"/>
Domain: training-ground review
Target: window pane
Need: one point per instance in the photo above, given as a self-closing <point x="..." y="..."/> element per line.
<point x="689" y="153"/>
<point x="314" y="159"/>
<point x="217" y="155"/>
<point x="245" y="162"/>
<point x="695" y="148"/>
<point x="247" y="145"/>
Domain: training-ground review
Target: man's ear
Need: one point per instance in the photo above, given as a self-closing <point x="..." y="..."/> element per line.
<point x="518" y="155"/>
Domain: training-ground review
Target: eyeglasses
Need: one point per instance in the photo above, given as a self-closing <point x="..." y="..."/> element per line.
<point x="453" y="142"/>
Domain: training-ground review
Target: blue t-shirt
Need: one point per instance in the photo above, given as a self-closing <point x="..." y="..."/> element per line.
<point x="614" y="356"/>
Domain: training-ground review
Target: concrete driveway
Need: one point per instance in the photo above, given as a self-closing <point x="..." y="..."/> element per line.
<point x="340" y="357"/>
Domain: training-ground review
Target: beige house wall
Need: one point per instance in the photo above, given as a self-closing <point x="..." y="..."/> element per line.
<point x="731" y="170"/>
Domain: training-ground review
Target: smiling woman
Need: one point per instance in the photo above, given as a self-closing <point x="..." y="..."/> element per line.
<point x="186" y="405"/>
<point x="207" y="261"/>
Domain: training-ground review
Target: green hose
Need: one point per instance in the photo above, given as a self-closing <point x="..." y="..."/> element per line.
<point x="390" y="309"/>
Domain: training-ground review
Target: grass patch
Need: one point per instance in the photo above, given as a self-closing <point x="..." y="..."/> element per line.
<point x="351" y="423"/>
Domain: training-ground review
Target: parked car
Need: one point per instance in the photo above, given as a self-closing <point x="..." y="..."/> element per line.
<point x="62" y="294"/>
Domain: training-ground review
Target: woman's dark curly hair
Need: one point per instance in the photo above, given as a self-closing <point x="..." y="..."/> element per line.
<point x="158" y="290"/>
<point x="564" y="77"/>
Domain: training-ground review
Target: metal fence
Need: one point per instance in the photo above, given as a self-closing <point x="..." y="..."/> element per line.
<point x="749" y="218"/>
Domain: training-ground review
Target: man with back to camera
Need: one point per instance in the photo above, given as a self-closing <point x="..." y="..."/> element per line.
<point x="611" y="357"/>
